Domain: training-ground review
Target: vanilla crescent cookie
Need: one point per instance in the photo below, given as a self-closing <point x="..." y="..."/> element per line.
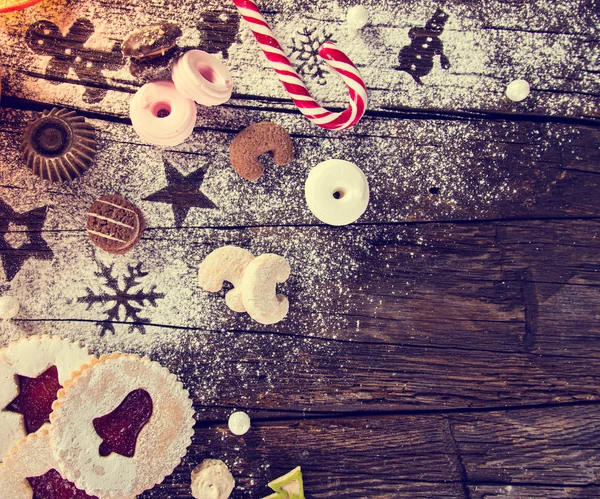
<point x="120" y="426"/>
<point x="32" y="370"/>
<point x="29" y="469"/>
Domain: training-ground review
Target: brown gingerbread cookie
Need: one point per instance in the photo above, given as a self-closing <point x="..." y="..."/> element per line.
<point x="255" y="141"/>
<point x="114" y="224"/>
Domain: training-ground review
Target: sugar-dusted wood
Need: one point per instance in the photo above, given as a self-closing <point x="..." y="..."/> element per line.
<point x="431" y="316"/>
<point x="420" y="170"/>
<point x="548" y="452"/>
<point x="484" y="47"/>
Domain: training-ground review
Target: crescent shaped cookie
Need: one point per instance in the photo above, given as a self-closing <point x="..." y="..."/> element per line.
<point x="30" y="369"/>
<point x="120" y="426"/>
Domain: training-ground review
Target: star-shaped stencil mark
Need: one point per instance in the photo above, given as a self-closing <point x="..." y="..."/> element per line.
<point x="35" y="398"/>
<point x="182" y="193"/>
<point x="35" y="246"/>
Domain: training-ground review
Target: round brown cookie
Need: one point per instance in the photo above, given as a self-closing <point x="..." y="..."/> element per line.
<point x="154" y="40"/>
<point x="114" y="224"/>
<point x="256" y="140"/>
<point x="59" y="145"/>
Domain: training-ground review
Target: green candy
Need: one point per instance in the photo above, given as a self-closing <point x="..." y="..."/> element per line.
<point x="288" y="486"/>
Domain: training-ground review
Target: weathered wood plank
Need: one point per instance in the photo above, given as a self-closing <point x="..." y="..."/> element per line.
<point x="418" y="171"/>
<point x="554" y="446"/>
<point x="486" y="45"/>
<point x="419" y="317"/>
<point x="536" y="453"/>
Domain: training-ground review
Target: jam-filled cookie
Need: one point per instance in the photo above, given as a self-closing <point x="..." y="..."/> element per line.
<point x="29" y="471"/>
<point x="32" y="371"/>
<point x="121" y="425"/>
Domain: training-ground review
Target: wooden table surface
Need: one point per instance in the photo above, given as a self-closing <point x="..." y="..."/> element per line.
<point x="445" y="346"/>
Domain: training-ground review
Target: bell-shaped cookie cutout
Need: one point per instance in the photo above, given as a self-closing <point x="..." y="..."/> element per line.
<point x="120" y="428"/>
<point x="59" y="145"/>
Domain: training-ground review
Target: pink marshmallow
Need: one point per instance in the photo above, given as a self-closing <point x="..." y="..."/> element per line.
<point x="161" y="115"/>
<point x="201" y="76"/>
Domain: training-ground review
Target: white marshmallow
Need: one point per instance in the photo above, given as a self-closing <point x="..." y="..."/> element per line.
<point x="337" y="192"/>
<point x="518" y="90"/>
<point x="358" y="17"/>
<point x="239" y="423"/>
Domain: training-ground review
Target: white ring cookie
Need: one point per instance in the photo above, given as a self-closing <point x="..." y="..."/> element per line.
<point x="31" y="357"/>
<point x="337" y="192"/>
<point x="100" y="389"/>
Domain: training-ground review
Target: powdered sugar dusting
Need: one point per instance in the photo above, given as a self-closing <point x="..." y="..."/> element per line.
<point x="488" y="45"/>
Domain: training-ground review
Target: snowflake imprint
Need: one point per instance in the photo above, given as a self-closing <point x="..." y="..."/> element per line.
<point x="117" y="296"/>
<point x="305" y="51"/>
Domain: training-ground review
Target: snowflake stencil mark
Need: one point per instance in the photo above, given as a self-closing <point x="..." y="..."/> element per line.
<point x="132" y="301"/>
<point x="305" y="52"/>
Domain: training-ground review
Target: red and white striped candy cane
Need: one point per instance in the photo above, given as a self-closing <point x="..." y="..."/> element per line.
<point x="292" y="82"/>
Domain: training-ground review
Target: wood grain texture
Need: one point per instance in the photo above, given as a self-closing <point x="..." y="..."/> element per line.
<point x="422" y="312"/>
<point x="537" y="453"/>
<point x="444" y="347"/>
<point x="487" y="45"/>
<point x="421" y="170"/>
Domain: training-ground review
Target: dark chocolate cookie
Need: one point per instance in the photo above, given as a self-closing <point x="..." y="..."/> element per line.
<point x="59" y="145"/>
<point x="114" y="224"/>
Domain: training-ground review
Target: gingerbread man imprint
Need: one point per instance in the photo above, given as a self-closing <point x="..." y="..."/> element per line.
<point x="68" y="52"/>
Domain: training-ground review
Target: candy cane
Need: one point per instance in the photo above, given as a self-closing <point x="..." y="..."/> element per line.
<point x="292" y="82"/>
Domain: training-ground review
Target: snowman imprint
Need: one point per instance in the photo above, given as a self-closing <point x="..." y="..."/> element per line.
<point x="416" y="59"/>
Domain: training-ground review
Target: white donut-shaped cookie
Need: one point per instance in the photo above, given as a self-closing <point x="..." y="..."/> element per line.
<point x="99" y="392"/>
<point x="225" y="264"/>
<point x="259" y="288"/>
<point x="202" y="77"/>
<point x="161" y="115"/>
<point x="337" y="192"/>
<point x="29" y="358"/>
<point x="32" y="458"/>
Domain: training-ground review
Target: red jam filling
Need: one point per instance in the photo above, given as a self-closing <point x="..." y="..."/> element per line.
<point x="120" y="428"/>
<point x="35" y="398"/>
<point x="53" y="486"/>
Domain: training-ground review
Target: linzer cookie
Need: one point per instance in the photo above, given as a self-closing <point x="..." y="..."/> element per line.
<point x="30" y="470"/>
<point x="114" y="224"/>
<point x="120" y="426"/>
<point x="32" y="371"/>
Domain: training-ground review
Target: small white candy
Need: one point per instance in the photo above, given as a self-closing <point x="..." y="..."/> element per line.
<point x="337" y="192"/>
<point x="518" y="90"/>
<point x="9" y="307"/>
<point x="358" y="17"/>
<point x="239" y="423"/>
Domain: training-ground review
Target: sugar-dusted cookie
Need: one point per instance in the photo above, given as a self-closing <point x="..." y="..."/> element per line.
<point x="225" y="264"/>
<point x="254" y="141"/>
<point x="114" y="224"/>
<point x="120" y="426"/>
<point x="211" y="479"/>
<point x="259" y="293"/>
<point x="29" y="470"/>
<point x="32" y="371"/>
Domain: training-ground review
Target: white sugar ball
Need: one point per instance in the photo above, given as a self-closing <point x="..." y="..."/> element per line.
<point x="239" y="423"/>
<point x="9" y="307"/>
<point x="358" y="17"/>
<point x="518" y="90"/>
